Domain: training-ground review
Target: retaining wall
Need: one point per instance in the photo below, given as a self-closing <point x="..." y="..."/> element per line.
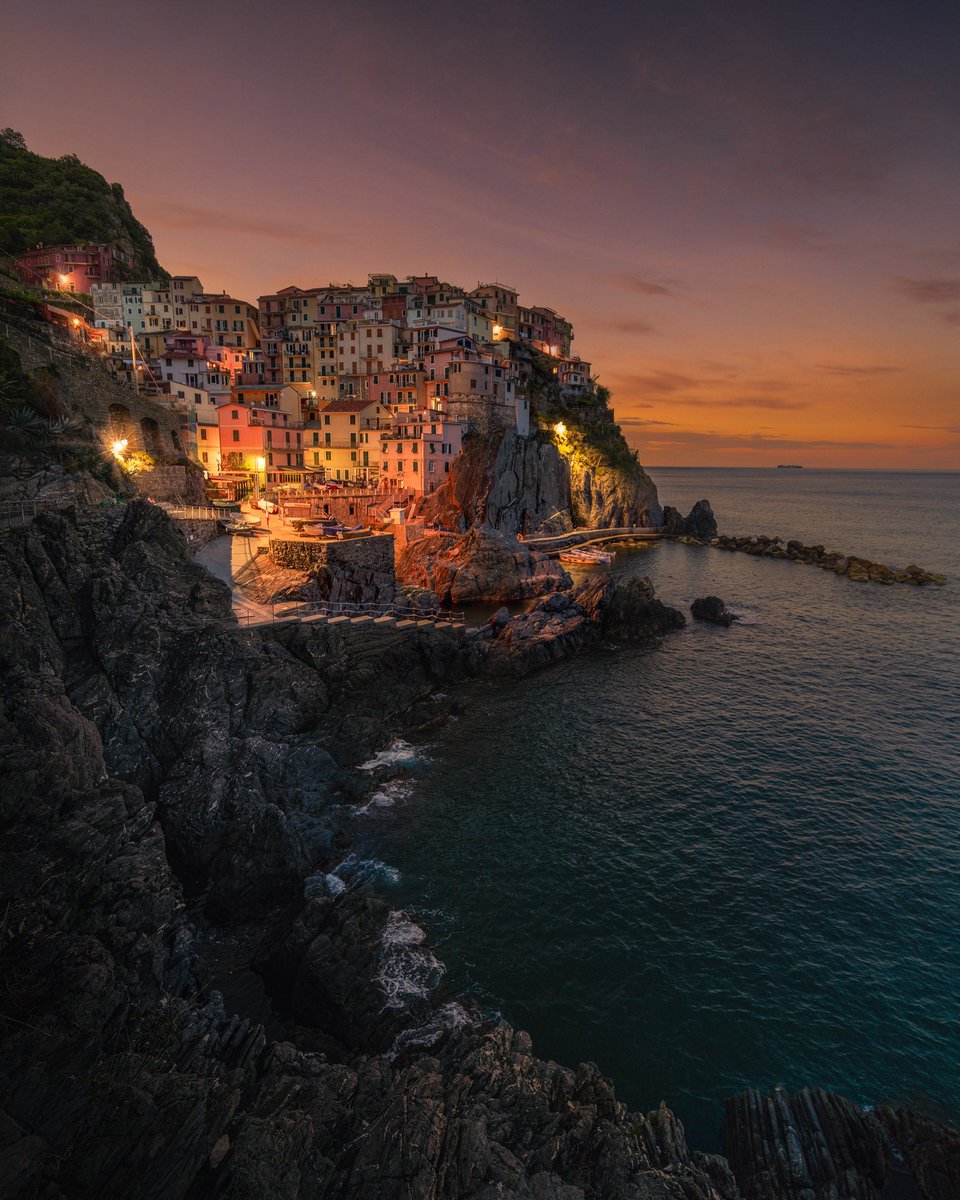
<point x="354" y="555"/>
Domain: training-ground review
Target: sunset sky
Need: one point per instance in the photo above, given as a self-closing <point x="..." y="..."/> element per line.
<point x="750" y="211"/>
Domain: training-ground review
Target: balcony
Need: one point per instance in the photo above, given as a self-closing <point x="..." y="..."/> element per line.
<point x="256" y="419"/>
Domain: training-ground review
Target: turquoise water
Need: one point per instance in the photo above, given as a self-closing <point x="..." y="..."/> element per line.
<point x="733" y="860"/>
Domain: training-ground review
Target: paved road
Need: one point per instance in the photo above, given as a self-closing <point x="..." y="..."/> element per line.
<point x="225" y="557"/>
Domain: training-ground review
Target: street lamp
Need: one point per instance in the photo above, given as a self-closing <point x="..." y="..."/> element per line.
<point x="261" y="465"/>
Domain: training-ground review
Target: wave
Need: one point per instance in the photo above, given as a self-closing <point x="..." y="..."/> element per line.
<point x="448" y="1018"/>
<point x="398" y="753"/>
<point x="408" y="969"/>
<point x="384" y="797"/>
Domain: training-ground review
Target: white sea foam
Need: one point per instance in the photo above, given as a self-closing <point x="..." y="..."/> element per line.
<point x="321" y="885"/>
<point x="408" y="970"/>
<point x="446" y="1019"/>
<point x="384" y="797"/>
<point x="398" y="753"/>
<point x="366" y="870"/>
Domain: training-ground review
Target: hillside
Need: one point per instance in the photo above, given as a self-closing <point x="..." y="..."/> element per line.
<point x="61" y="200"/>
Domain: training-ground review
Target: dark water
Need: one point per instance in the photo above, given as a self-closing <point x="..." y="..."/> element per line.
<point x="735" y="859"/>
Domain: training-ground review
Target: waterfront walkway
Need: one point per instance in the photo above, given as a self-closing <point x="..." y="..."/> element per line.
<point x="591" y="537"/>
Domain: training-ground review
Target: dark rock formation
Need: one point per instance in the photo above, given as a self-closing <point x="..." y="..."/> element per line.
<point x="814" y="1145"/>
<point x="860" y="570"/>
<point x="713" y="609"/>
<point x="151" y="749"/>
<point x="481" y="566"/>
<point x="556" y="626"/>
<point x="700" y="523"/>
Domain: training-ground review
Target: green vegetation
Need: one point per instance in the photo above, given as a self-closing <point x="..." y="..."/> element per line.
<point x="61" y="201"/>
<point x="34" y="421"/>
<point x="591" y="430"/>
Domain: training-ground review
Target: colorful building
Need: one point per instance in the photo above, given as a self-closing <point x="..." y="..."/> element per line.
<point x="418" y="451"/>
<point x="74" y="268"/>
<point x="261" y="437"/>
<point x="344" y="438"/>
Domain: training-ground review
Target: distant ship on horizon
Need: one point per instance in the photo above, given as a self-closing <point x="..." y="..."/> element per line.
<point x="789" y="466"/>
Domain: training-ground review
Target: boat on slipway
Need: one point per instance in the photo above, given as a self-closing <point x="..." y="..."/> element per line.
<point x="585" y="556"/>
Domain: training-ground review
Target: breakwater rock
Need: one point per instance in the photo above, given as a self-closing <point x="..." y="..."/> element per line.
<point x="815" y="1145"/>
<point x="481" y="566"/>
<point x="713" y="609"/>
<point x="700" y="523"/>
<point x="860" y="570"/>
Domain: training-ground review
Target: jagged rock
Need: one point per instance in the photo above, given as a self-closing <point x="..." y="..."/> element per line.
<point x="555" y="626"/>
<point x="714" y="610"/>
<point x="699" y="524"/>
<point x="815" y="1145"/>
<point x="482" y="566"/>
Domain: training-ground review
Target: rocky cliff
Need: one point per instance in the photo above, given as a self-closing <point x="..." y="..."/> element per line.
<point x="586" y="476"/>
<point x="170" y="795"/>
<point x="479" y="567"/>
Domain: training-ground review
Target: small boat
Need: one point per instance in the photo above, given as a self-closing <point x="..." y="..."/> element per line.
<point x="585" y="556"/>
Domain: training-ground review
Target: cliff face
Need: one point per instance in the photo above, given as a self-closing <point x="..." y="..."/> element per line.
<point x="482" y="566"/>
<point x="164" y="770"/>
<point x="520" y="485"/>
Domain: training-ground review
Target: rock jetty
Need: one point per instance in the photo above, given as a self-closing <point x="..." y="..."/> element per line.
<point x="699" y="528"/>
<point x="860" y="570"/>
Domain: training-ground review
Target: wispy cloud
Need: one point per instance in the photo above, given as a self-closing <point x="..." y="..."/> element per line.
<point x="186" y="216"/>
<point x="636" y="328"/>
<point x="641" y="286"/>
<point x="854" y="370"/>
<point x="930" y="291"/>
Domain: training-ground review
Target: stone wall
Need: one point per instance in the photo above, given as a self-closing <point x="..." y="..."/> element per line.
<point x="373" y="554"/>
<point x="168" y="481"/>
<point x="198" y="532"/>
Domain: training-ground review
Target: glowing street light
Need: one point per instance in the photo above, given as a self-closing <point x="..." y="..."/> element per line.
<point x="64" y="280"/>
<point x="560" y="429"/>
<point x="261" y="464"/>
<point x="118" y="448"/>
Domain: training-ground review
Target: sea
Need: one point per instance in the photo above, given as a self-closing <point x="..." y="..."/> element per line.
<point x="732" y="860"/>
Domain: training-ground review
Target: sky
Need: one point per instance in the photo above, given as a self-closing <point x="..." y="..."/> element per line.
<point x="750" y="211"/>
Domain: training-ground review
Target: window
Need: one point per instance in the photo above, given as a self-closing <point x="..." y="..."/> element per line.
<point x="328" y="456"/>
<point x="203" y="435"/>
<point x="316" y="458"/>
<point x="236" y="435"/>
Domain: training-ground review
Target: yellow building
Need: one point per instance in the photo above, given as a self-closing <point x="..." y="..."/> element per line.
<point x="345" y="438"/>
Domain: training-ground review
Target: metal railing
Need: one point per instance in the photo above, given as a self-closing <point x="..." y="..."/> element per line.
<point x="15" y="512"/>
<point x="351" y="610"/>
<point x="190" y="512"/>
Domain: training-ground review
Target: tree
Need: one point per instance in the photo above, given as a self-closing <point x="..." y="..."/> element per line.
<point x="11" y="137"/>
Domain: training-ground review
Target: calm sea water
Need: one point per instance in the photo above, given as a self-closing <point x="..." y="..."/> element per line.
<point x="733" y="860"/>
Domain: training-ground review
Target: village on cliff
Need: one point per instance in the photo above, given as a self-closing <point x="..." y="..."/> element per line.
<point x="371" y="386"/>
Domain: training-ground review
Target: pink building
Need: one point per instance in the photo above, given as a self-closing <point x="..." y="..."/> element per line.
<point x="403" y="386"/>
<point x="250" y="432"/>
<point x="73" y="268"/>
<point x="417" y="452"/>
<point x="573" y="375"/>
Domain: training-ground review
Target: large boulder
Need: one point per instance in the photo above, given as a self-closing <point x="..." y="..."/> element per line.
<point x="713" y="609"/>
<point x="699" y="523"/>
<point x="480" y="567"/>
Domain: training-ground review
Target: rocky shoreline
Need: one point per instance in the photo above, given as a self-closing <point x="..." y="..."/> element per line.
<point x="859" y="570"/>
<point x="172" y="788"/>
